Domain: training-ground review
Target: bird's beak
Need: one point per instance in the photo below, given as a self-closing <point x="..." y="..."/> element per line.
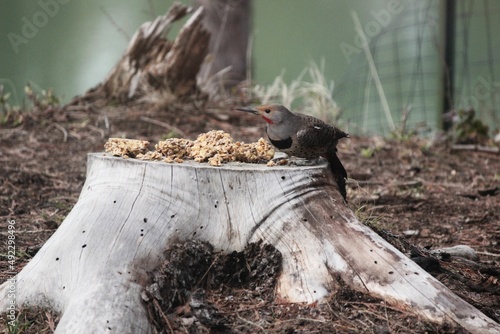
<point x="250" y="110"/>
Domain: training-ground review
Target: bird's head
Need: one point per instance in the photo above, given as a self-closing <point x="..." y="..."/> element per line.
<point x="272" y="114"/>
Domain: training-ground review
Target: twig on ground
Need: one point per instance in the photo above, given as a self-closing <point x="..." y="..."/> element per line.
<point x="62" y="129"/>
<point x="164" y="317"/>
<point x="163" y="124"/>
<point x="488" y="254"/>
<point x="250" y="323"/>
<point x="479" y="148"/>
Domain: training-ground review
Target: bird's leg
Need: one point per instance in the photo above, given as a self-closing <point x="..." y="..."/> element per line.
<point x="279" y="156"/>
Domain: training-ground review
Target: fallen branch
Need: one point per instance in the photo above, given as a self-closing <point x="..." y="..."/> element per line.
<point x="477" y="148"/>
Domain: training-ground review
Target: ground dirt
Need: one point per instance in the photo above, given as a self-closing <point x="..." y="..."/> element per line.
<point x="420" y="196"/>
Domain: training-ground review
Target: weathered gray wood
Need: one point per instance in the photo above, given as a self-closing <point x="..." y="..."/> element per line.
<point x="154" y="68"/>
<point x="94" y="267"/>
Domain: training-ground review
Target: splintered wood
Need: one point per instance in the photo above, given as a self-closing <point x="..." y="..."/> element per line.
<point x="214" y="147"/>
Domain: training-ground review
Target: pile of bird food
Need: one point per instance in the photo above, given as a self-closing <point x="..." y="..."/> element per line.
<point x="214" y="147"/>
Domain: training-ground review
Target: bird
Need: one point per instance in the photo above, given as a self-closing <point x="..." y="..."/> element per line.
<point x="303" y="136"/>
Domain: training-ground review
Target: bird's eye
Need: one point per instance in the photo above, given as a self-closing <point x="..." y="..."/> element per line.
<point x="267" y="111"/>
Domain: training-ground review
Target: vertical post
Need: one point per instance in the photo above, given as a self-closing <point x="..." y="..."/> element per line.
<point x="449" y="18"/>
<point x="229" y="24"/>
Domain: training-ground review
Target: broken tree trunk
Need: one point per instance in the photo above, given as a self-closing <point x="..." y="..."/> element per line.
<point x="94" y="268"/>
<point x="155" y="69"/>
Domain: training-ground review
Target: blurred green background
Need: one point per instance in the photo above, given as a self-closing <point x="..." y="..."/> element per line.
<point x="71" y="45"/>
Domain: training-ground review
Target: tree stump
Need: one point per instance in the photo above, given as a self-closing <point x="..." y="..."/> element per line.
<point x="154" y="68"/>
<point x="95" y="266"/>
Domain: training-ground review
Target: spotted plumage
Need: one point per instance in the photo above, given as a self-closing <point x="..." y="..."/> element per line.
<point x="303" y="136"/>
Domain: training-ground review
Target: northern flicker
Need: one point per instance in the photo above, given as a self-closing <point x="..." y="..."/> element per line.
<point x="303" y="136"/>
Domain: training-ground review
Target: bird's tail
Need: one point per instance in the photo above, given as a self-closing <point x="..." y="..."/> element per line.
<point x="338" y="170"/>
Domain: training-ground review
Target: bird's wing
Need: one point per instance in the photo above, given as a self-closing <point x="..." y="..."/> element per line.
<point x="318" y="133"/>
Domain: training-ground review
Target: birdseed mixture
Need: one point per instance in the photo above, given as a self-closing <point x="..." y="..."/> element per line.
<point x="214" y="147"/>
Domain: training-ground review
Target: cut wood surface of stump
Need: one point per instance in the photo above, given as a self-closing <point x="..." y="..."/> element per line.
<point x="95" y="266"/>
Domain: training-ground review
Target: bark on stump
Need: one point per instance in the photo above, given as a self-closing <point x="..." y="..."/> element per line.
<point x="94" y="267"/>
